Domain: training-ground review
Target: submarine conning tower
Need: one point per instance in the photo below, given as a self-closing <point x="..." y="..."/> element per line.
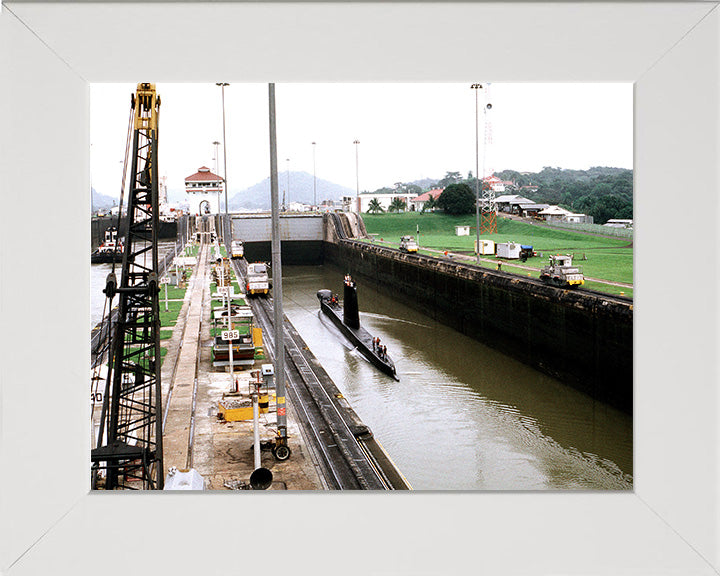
<point x="351" y="316"/>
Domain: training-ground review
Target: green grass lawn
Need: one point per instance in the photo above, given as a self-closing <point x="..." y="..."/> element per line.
<point x="173" y="293"/>
<point x="603" y="258"/>
<point x="170" y="317"/>
<point x="236" y="287"/>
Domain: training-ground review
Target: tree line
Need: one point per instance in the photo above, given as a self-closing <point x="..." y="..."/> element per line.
<point x="600" y="192"/>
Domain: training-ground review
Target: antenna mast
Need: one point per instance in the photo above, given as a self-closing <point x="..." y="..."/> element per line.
<point x="488" y="207"/>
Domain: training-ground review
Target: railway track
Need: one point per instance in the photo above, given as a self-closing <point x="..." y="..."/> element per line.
<point x="343" y="446"/>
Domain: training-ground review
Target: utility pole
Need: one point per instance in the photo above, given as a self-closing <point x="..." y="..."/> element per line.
<point x="314" y="179"/>
<point x="281" y="450"/>
<point x="287" y="206"/>
<point x="217" y="159"/>
<point x="222" y="87"/>
<point x="357" y="178"/>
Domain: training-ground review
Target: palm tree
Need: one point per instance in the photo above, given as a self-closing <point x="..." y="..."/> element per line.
<point x="397" y="205"/>
<point x="374" y="206"/>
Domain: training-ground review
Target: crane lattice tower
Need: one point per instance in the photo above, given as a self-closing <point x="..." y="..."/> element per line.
<point x="129" y="444"/>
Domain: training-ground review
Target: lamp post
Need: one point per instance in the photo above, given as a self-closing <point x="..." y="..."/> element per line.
<point x="477" y="87"/>
<point x="216" y="144"/>
<point x="287" y="206"/>
<point x="314" y="179"/>
<point x="217" y="160"/>
<point x="357" y="178"/>
<point x="222" y="87"/>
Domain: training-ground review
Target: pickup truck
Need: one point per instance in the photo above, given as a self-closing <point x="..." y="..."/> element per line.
<point x="258" y="281"/>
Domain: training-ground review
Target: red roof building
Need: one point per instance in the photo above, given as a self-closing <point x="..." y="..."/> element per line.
<point x="203" y="175"/>
<point x="418" y="202"/>
<point x="203" y="189"/>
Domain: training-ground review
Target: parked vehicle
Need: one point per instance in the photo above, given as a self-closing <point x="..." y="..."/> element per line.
<point x="561" y="272"/>
<point x="237" y="250"/>
<point x="408" y="244"/>
<point x="258" y="281"/>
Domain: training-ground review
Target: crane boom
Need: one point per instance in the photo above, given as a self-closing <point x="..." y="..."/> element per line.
<point x="129" y="444"/>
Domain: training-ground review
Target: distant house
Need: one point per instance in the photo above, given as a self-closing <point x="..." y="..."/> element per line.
<point x="417" y="203"/>
<point x="619" y="223"/>
<point x="298" y="207"/>
<point x="385" y="199"/>
<point x="495" y="183"/>
<point x="557" y="214"/>
<point x="579" y="219"/>
<point x="553" y="214"/>
<point x="506" y="202"/>
<point x="531" y="210"/>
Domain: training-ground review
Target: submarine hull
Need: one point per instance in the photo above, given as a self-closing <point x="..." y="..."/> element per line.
<point x="360" y="337"/>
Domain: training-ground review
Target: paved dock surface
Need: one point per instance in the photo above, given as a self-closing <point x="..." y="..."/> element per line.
<point x="222" y="452"/>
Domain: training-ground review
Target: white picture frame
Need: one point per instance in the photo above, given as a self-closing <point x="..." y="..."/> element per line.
<point x="50" y="523"/>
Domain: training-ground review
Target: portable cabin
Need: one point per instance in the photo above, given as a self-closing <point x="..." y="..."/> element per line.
<point x="486" y="247"/>
<point x="510" y="250"/>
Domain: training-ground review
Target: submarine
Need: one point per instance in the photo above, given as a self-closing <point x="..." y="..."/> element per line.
<point x="347" y="319"/>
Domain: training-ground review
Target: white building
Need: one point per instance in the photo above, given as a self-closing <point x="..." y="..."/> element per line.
<point x="578" y="219"/>
<point x="203" y="189"/>
<point x="495" y="183"/>
<point x="511" y="202"/>
<point x="384" y="199"/>
<point x="619" y="223"/>
<point x="417" y="203"/>
<point x="554" y="214"/>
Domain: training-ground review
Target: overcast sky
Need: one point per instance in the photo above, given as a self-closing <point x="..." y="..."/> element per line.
<point x="406" y="131"/>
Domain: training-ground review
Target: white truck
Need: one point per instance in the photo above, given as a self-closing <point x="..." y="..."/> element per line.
<point x="237" y="250"/>
<point x="408" y="244"/>
<point x="561" y="272"/>
<point x="258" y="281"/>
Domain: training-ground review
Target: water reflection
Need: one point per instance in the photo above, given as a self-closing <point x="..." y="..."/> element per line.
<point x="463" y="415"/>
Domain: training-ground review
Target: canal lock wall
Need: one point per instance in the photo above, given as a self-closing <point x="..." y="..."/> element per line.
<point x="581" y="339"/>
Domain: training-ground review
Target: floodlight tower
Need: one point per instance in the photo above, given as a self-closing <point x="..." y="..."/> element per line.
<point x="488" y="207"/>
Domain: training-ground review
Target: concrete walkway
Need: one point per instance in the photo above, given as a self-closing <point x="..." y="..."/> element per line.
<point x="221" y="451"/>
<point x="176" y="437"/>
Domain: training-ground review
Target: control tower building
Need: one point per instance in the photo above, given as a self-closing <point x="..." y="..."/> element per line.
<point x="203" y="189"/>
